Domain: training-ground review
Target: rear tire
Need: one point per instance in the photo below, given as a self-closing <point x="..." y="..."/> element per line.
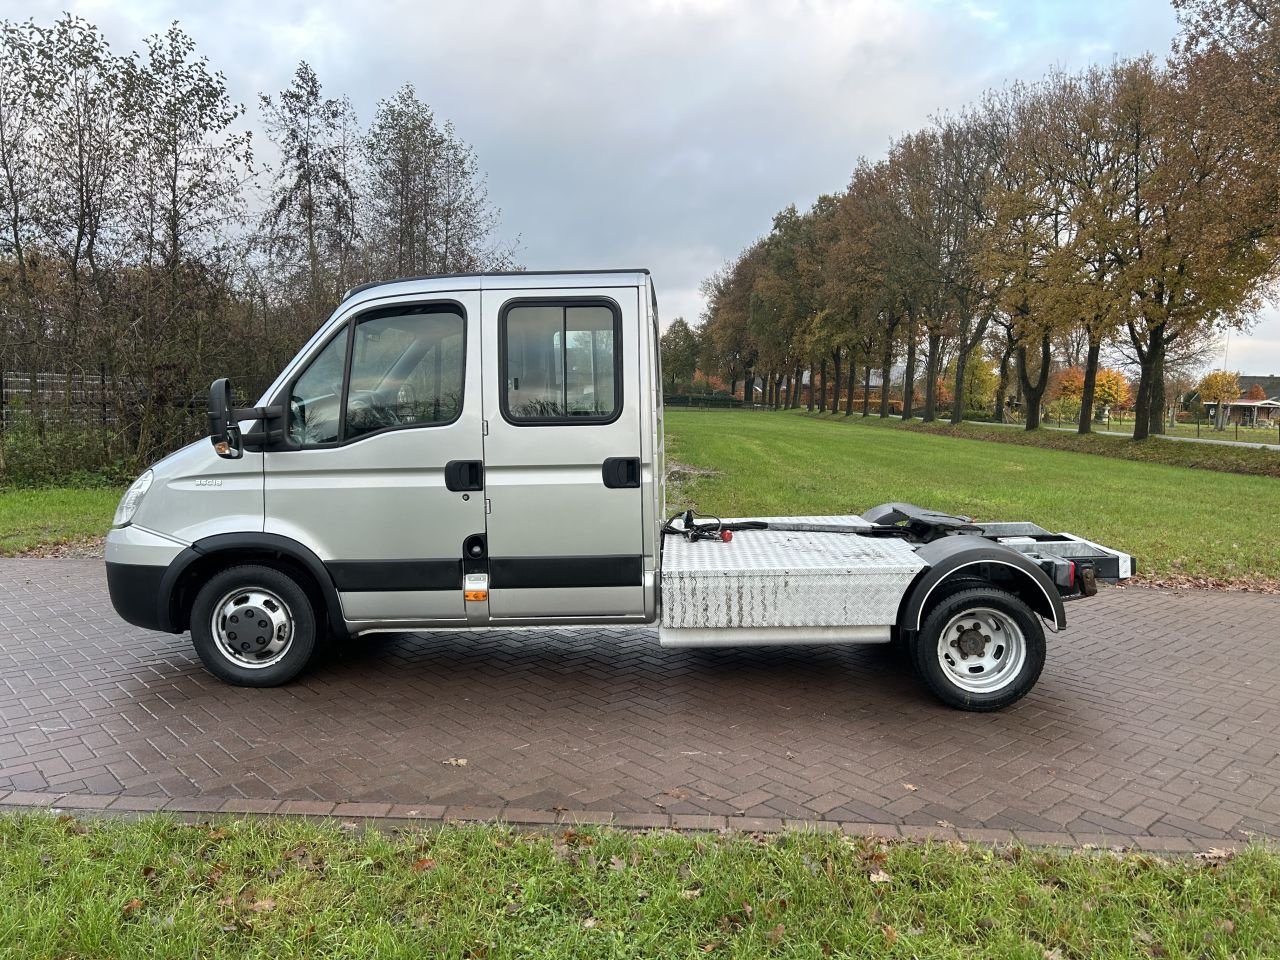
<point x="980" y="649"/>
<point x="253" y="626"/>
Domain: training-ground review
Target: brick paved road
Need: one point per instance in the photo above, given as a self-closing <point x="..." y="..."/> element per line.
<point x="1158" y="715"/>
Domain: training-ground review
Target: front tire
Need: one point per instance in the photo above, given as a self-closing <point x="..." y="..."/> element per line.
<point x="980" y="649"/>
<point x="253" y="626"/>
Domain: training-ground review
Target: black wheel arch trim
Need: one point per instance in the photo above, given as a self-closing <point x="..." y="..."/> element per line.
<point x="260" y="543"/>
<point x="949" y="555"/>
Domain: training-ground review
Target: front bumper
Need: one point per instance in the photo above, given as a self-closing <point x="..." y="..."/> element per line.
<point x="137" y="561"/>
<point x="136" y="594"/>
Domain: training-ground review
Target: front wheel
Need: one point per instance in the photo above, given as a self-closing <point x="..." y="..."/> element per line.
<point x="980" y="649"/>
<point x="253" y="626"/>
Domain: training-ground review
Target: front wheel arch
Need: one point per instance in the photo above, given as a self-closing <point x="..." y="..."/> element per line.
<point x="206" y="558"/>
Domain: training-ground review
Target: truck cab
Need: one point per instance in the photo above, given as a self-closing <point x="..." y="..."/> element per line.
<point x="470" y="451"/>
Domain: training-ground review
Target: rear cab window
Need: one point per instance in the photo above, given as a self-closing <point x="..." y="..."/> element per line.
<point x="561" y="362"/>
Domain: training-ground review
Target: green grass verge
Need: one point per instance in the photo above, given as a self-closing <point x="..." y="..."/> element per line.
<point x="45" y="517"/>
<point x="1176" y="521"/>
<point x="288" y="888"/>
<point x="1223" y="458"/>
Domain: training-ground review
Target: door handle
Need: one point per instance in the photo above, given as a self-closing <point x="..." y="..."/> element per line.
<point x="621" y="473"/>
<point x="464" y="475"/>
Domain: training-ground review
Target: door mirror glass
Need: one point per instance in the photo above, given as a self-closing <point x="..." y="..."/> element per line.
<point x="224" y="431"/>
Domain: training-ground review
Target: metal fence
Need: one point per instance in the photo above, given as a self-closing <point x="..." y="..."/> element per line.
<point x="76" y="398"/>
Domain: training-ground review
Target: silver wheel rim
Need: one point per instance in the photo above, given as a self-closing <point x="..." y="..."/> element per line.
<point x="252" y="627"/>
<point x="981" y="650"/>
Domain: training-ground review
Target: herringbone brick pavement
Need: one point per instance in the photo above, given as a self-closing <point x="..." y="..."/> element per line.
<point x="1158" y="715"/>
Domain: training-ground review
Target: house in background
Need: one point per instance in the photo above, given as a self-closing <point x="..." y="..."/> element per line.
<point x="1264" y="410"/>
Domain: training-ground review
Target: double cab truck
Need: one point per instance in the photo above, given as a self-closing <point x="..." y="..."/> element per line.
<point x="470" y="451"/>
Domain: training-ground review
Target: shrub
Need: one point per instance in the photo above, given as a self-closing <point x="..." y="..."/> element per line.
<point x="37" y="454"/>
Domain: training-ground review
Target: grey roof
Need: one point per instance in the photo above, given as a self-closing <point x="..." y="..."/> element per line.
<point x="1270" y="385"/>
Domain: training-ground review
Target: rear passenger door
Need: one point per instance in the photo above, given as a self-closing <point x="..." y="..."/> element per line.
<point x="562" y="454"/>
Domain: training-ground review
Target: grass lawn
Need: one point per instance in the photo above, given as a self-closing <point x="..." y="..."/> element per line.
<point x="1175" y="520"/>
<point x="44" y="517"/>
<point x="289" y="888"/>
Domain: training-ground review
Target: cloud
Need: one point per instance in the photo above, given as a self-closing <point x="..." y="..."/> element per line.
<point x="659" y="133"/>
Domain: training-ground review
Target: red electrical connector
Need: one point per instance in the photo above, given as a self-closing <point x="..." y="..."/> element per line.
<point x="726" y="535"/>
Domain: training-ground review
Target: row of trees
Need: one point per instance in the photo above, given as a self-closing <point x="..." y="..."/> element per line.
<point x="141" y="245"/>
<point x="1127" y="210"/>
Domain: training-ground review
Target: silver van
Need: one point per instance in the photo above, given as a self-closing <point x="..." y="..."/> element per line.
<point x="467" y="451"/>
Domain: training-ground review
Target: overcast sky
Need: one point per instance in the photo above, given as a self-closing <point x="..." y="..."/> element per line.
<point x="657" y="133"/>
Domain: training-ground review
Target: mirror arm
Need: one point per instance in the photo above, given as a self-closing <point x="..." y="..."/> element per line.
<point x="268" y="438"/>
<point x="258" y="413"/>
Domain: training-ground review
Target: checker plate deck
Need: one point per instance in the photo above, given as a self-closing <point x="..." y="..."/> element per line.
<point x="787" y="578"/>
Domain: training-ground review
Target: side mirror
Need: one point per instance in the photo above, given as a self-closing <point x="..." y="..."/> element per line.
<point x="224" y="430"/>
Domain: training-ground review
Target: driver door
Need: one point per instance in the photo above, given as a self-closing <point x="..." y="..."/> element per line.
<point x="385" y="480"/>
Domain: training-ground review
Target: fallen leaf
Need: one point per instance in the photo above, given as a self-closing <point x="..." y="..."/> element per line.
<point x="1227" y="926"/>
<point x="426" y="863"/>
<point x="1216" y="855"/>
<point x="132" y="905"/>
<point x="693" y="894"/>
<point x="708" y="947"/>
<point x="455" y="762"/>
<point x="910" y="786"/>
<point x="890" y="934"/>
<point x="945" y="824"/>
<point x="1054" y="954"/>
<point x="775" y="935"/>
<point x="879" y="876"/>
<point x="617" y="864"/>
<point x="218" y="834"/>
<point x="148" y="873"/>
<point x="265" y="905"/>
<point x="589" y="922"/>
<point x="678" y="793"/>
<point x="512" y="908"/>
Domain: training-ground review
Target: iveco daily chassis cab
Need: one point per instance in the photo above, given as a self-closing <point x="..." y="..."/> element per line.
<point x="471" y="451"/>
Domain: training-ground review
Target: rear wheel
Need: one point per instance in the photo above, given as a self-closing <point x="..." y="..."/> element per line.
<point x="980" y="649"/>
<point x="253" y="626"/>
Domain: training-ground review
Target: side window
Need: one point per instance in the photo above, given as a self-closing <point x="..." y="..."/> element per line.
<point x="407" y="369"/>
<point x="315" y="402"/>
<point x="561" y="363"/>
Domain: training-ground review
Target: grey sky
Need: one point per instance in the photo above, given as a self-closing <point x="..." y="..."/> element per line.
<point x="659" y="133"/>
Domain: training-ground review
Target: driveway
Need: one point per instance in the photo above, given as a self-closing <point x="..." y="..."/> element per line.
<point x="1157" y="718"/>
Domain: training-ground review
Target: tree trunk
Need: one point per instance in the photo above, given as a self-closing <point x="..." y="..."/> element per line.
<point x="822" y="397"/>
<point x="1002" y="387"/>
<point x="931" y="378"/>
<point x="1090" y="380"/>
<point x="853" y="377"/>
<point x="908" y="375"/>
<point x="812" y="389"/>
<point x="795" y="393"/>
<point x="958" y="401"/>
<point x="1150" y="366"/>
<point x="866" y="392"/>
<point x="1157" y="381"/>
<point x="835" y="400"/>
<point x="1033" y="391"/>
